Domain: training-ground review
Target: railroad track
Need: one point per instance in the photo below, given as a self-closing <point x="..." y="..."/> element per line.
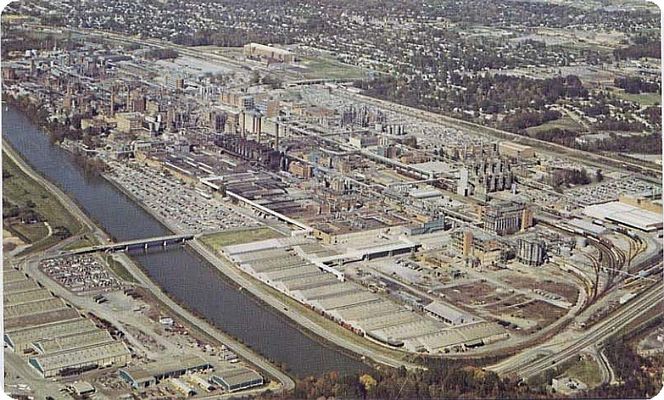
<point x="595" y="336"/>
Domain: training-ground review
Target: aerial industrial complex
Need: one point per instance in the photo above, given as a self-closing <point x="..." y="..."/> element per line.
<point x="391" y="232"/>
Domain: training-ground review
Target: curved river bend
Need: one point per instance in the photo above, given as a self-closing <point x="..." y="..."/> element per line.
<point x="191" y="281"/>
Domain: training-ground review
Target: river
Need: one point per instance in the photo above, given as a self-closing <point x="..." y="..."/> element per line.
<point x="190" y="280"/>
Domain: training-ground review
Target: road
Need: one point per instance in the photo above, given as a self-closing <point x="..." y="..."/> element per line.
<point x="528" y="363"/>
<point x="30" y="263"/>
<point x="651" y="174"/>
<point x="18" y="370"/>
<point x="254" y="287"/>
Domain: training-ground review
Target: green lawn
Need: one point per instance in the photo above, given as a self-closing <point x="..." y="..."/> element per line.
<point x="587" y="371"/>
<point x="31" y="233"/>
<point x="80" y="243"/>
<point x="119" y="269"/>
<point x="22" y="191"/>
<point x="227" y="238"/>
<point x="565" y="122"/>
<point x="328" y="68"/>
<point x="644" y="99"/>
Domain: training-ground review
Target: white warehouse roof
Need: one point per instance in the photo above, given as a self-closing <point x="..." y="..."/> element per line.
<point x="625" y="214"/>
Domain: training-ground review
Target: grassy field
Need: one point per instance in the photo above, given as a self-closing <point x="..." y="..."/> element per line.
<point x="30" y="233"/>
<point x="565" y="122"/>
<point x="325" y="67"/>
<point x="644" y="99"/>
<point x="227" y="238"/>
<point x="22" y="191"/>
<point x="80" y="243"/>
<point x="587" y="371"/>
<point x="119" y="269"/>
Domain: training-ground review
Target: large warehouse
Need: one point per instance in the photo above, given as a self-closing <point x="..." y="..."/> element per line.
<point x="37" y="321"/>
<point x="236" y="379"/>
<point x="140" y="377"/>
<point x="50" y="365"/>
<point x="285" y="265"/>
<point x="626" y="214"/>
<point x="21" y="339"/>
<point x="263" y="52"/>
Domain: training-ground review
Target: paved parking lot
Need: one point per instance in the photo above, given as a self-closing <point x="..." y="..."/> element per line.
<point x="177" y="202"/>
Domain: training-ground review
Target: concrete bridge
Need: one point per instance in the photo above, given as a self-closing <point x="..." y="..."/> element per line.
<point x="138" y="244"/>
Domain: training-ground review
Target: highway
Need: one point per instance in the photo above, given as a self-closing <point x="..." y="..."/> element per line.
<point x="527" y="364"/>
<point x="652" y="174"/>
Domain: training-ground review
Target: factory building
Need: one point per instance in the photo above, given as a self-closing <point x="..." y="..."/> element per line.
<point x="531" y="252"/>
<point x="250" y="150"/>
<point x="485" y="175"/>
<point x="626" y="215"/>
<point x="38" y="322"/>
<point x="262" y="52"/>
<point x="448" y="314"/>
<point x="478" y="248"/>
<point x="647" y="201"/>
<point x="110" y="353"/>
<point x="129" y="122"/>
<point x="21" y="339"/>
<point x="435" y="224"/>
<point x="182" y="387"/>
<point x="235" y="379"/>
<point x="70" y="342"/>
<point x="283" y="265"/>
<point x="142" y="377"/>
<point x="301" y="170"/>
<point x="26" y="296"/>
<point x="515" y="150"/>
<point x="505" y="218"/>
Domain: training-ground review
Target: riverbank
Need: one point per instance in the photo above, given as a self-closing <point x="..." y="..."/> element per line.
<point x="194" y="322"/>
<point x="318" y="328"/>
<point x="180" y="272"/>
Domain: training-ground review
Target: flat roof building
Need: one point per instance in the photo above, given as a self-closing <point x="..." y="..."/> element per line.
<point x="149" y="375"/>
<point x="268" y="53"/>
<point x="626" y="214"/>
<point x="19" y="286"/>
<point x="34" y="307"/>
<point x="447" y="313"/>
<point x="43" y="318"/>
<point x="26" y="296"/>
<point x="515" y="150"/>
<point x="235" y="379"/>
<point x="50" y="365"/>
<point x="20" y="339"/>
<point x="71" y="342"/>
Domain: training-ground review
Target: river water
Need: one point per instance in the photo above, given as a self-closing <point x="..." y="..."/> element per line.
<point x="190" y="280"/>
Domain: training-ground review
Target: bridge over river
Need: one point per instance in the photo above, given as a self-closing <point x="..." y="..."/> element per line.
<point x="142" y="244"/>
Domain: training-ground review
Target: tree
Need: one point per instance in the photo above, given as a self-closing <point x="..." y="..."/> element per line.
<point x="368" y="381"/>
<point x="599" y="177"/>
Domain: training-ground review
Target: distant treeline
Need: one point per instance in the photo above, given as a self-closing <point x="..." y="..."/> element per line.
<point x="636" y="85"/>
<point x="161" y="54"/>
<point x="650" y="48"/>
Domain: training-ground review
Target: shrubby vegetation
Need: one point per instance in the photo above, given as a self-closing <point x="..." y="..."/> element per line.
<point x="636" y="85"/>
<point x="161" y="54"/>
<point x="643" y="48"/>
